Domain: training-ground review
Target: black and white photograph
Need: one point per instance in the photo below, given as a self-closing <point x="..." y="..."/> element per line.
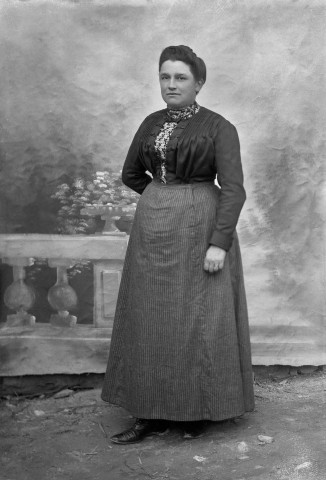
<point x="162" y="240"/>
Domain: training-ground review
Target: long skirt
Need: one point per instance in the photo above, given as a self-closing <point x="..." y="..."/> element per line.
<point x="180" y="347"/>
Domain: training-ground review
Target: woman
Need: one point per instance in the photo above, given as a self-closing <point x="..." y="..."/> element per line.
<point x="180" y="348"/>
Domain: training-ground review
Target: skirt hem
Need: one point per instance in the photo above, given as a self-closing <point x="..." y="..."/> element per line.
<point x="173" y="418"/>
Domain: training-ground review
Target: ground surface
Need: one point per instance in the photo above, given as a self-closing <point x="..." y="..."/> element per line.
<point x="68" y="438"/>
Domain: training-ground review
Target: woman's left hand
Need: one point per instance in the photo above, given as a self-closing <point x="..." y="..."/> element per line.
<point x="214" y="259"/>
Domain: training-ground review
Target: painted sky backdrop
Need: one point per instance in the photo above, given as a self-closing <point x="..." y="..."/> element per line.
<point x="78" y="77"/>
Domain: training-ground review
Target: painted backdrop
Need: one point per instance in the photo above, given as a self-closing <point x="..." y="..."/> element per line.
<point x="77" y="78"/>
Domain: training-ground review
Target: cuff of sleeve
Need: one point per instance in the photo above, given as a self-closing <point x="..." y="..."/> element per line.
<point x="221" y="240"/>
<point x="148" y="181"/>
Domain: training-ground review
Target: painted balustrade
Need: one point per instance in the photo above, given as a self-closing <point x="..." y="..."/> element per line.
<point x="59" y="344"/>
<point x="62" y="252"/>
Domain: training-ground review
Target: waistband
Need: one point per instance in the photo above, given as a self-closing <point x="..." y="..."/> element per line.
<point x="158" y="184"/>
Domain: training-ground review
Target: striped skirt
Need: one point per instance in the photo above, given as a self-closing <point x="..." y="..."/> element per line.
<point x="180" y="347"/>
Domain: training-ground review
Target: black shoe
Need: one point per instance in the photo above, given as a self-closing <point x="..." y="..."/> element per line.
<point x="141" y="428"/>
<point x="193" y="430"/>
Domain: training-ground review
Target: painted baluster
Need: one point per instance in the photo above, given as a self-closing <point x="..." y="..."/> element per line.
<point x="61" y="296"/>
<point x="19" y="296"/>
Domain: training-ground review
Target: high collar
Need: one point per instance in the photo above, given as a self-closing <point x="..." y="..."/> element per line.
<point x="176" y="115"/>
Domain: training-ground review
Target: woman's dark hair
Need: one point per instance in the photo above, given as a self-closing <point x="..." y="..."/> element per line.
<point x="186" y="55"/>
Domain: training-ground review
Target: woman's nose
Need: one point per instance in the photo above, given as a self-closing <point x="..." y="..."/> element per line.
<point x="171" y="85"/>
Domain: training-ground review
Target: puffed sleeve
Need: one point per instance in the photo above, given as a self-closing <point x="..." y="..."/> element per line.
<point x="230" y="178"/>
<point x="134" y="173"/>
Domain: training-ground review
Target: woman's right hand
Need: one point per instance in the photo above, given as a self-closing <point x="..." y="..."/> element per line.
<point x="214" y="260"/>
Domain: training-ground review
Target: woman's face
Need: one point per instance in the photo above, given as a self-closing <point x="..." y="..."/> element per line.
<point x="178" y="85"/>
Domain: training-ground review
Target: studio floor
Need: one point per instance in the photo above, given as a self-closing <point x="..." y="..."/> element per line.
<point x="67" y="436"/>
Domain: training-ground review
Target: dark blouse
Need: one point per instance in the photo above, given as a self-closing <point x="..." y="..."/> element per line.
<point x="200" y="148"/>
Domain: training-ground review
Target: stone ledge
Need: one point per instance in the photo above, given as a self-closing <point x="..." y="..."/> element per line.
<point x="50" y="350"/>
<point x="90" y="247"/>
<point x="45" y="330"/>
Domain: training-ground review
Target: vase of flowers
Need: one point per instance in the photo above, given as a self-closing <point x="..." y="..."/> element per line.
<point x="102" y="195"/>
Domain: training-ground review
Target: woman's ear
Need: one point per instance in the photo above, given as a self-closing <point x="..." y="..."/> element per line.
<point x="199" y="85"/>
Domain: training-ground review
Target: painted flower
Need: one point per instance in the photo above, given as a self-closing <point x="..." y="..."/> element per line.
<point x="78" y="183"/>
